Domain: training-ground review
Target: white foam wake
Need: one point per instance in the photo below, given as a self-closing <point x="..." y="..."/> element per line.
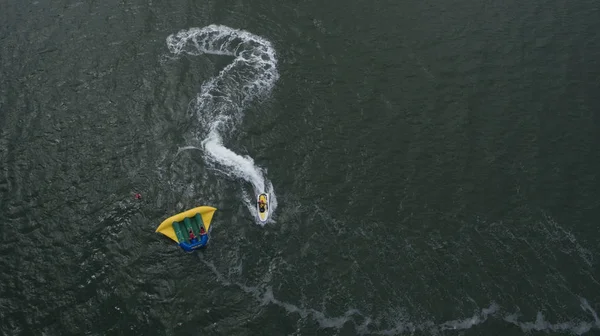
<point x="402" y="324"/>
<point x="221" y="102"/>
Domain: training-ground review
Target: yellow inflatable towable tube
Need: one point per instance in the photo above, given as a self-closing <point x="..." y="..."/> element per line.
<point x="190" y="228"/>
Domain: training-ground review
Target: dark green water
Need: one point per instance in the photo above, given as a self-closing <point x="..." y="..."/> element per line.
<point x="435" y="166"/>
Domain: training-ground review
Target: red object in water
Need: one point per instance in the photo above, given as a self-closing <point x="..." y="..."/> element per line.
<point x="138" y="196"/>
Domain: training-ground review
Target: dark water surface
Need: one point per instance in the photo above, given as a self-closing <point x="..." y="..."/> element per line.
<point x="435" y="166"/>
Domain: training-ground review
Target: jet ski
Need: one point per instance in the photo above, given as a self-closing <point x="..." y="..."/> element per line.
<point x="262" y="207"/>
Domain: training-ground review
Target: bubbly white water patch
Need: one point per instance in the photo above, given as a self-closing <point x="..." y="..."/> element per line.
<point x="402" y="324"/>
<point x="221" y="102"/>
<point x="574" y="327"/>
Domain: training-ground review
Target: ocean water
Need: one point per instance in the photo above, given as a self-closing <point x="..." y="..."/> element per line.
<point x="432" y="167"/>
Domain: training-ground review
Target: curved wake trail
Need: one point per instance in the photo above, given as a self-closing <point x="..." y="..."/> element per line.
<point x="222" y="99"/>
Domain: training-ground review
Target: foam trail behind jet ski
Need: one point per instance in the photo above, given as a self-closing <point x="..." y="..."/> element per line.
<point x="222" y="99"/>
